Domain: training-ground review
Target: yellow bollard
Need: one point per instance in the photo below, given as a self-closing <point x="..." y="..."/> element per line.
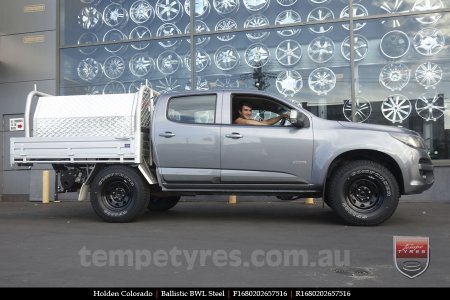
<point x="45" y="187"/>
<point x="309" y="201"/>
<point x="232" y="199"/>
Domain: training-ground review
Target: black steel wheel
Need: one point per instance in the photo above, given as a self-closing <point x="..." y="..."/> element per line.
<point x="363" y="193"/>
<point x="119" y="194"/>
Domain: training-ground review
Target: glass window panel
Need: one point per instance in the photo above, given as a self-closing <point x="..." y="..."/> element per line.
<point x="249" y="14"/>
<point x="404" y="78"/>
<point x="308" y="68"/>
<point x="96" y="69"/>
<point x="192" y="109"/>
<point x="392" y="7"/>
<point x="401" y="62"/>
<point x="120" y="20"/>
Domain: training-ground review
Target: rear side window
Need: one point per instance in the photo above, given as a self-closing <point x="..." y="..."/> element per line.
<point x="192" y="109"/>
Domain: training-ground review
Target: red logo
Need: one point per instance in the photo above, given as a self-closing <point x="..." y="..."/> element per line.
<point x="411" y="255"/>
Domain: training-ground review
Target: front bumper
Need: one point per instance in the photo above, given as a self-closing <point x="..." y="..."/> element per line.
<point x="421" y="176"/>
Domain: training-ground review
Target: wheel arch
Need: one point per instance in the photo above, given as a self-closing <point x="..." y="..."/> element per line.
<point x="366" y="154"/>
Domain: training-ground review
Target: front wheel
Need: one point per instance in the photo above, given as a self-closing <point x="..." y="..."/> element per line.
<point x="363" y="193"/>
<point x="119" y="194"/>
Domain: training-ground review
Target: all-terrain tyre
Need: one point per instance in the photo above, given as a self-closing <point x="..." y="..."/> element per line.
<point x="119" y="194"/>
<point x="363" y="193"/>
<point x="159" y="204"/>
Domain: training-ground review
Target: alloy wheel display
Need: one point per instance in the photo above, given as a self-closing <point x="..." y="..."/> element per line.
<point x="430" y="106"/>
<point x="363" y="109"/>
<point x="288" y="53"/>
<point x="288" y="17"/>
<point x="424" y="5"/>
<point x="168" y="10"/>
<point x="255" y="21"/>
<point x="141" y="64"/>
<point x="429" y="41"/>
<point x="257" y="55"/>
<point x="115" y="15"/>
<point x="202" y="60"/>
<point x="358" y="10"/>
<point x="114" y="67"/>
<point x="289" y="83"/>
<point x="226" y="7"/>
<point x="256" y="5"/>
<point x="360" y="47"/>
<point x="321" y="49"/>
<point x="228" y="25"/>
<point x="168" y="62"/>
<point x="140" y="33"/>
<point x="141" y="12"/>
<point x="321" y="81"/>
<point x="396" y="108"/>
<point x="394" y="44"/>
<point x="226" y="58"/>
<point x="89" y="18"/>
<point x="428" y="75"/>
<point x="394" y="76"/>
<point x="320" y="14"/>
<point x="88" y="69"/>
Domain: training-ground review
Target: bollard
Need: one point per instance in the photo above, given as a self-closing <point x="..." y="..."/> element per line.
<point x="232" y="199"/>
<point x="45" y="187"/>
<point x="309" y="201"/>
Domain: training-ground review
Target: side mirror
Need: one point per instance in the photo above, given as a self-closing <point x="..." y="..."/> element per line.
<point x="296" y="119"/>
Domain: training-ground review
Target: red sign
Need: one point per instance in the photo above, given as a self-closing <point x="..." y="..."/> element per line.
<point x="411" y="255"/>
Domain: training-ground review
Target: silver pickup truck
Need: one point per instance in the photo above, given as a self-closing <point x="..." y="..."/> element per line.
<point x="146" y="150"/>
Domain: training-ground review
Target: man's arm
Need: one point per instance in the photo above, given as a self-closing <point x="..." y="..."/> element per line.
<point x="242" y="121"/>
<point x="274" y="120"/>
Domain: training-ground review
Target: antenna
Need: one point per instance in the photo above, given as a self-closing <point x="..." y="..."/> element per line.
<point x="35" y="87"/>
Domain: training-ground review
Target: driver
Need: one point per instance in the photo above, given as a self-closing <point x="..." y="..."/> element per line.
<point x="245" y="116"/>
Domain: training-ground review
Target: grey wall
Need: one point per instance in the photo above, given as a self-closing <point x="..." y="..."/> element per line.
<point x="25" y="16"/>
<point x="28" y="56"/>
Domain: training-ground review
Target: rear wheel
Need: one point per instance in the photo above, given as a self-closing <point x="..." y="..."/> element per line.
<point x="119" y="194"/>
<point x="363" y="193"/>
<point x="162" y="203"/>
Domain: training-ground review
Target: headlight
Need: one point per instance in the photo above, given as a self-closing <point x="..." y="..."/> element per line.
<point x="410" y="140"/>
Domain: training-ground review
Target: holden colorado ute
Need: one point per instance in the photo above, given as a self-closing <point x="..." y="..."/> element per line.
<point x="132" y="152"/>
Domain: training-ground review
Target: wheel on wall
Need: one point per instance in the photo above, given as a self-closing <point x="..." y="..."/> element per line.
<point x="162" y="203"/>
<point x="363" y="193"/>
<point x="119" y="194"/>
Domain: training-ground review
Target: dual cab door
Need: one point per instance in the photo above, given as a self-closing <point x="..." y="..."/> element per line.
<point x="196" y="143"/>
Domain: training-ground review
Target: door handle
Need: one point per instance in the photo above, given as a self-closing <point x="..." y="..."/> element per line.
<point x="234" y="135"/>
<point x="167" y="134"/>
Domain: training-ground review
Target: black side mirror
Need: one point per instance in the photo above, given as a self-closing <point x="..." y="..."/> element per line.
<point x="296" y="118"/>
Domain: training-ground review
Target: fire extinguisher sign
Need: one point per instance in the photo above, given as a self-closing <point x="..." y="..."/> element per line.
<point x="16" y="124"/>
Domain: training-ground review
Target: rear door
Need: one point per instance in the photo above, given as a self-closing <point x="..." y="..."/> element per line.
<point x="187" y="139"/>
<point x="264" y="154"/>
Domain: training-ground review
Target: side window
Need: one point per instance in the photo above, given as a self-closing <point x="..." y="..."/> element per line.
<point x="192" y="109"/>
<point x="263" y="110"/>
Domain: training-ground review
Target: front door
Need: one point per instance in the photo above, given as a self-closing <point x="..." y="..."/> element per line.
<point x="187" y="140"/>
<point x="265" y="154"/>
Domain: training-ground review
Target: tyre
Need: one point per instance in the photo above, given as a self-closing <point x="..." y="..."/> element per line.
<point x="363" y="193"/>
<point x="119" y="194"/>
<point x="162" y="203"/>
